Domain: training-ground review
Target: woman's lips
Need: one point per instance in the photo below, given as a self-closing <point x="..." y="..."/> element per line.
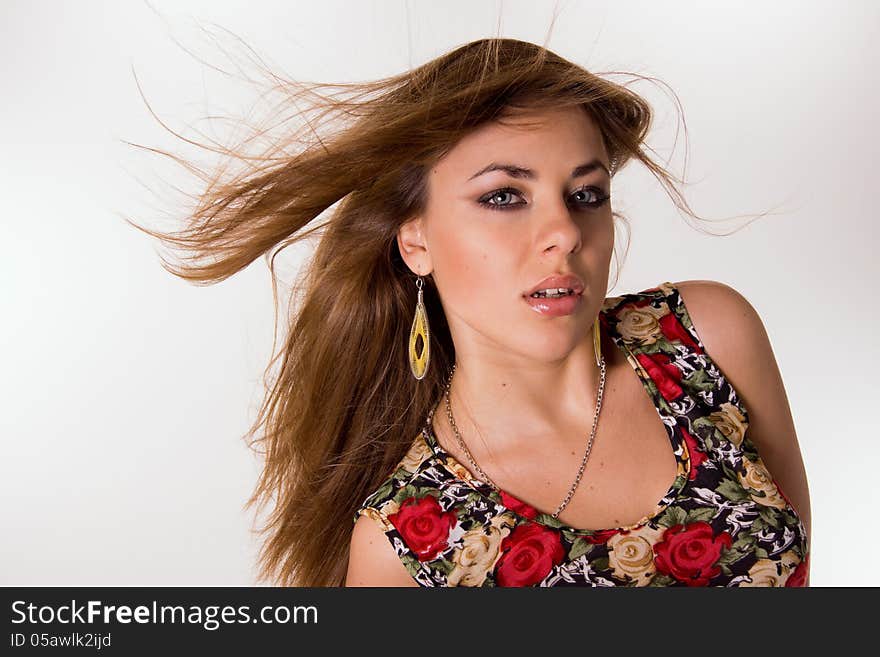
<point x="558" y="307"/>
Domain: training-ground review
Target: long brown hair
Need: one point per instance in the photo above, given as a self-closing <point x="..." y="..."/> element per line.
<point x="343" y="407"/>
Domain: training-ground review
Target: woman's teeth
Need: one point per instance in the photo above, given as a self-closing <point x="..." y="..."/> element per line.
<point x="553" y="292"/>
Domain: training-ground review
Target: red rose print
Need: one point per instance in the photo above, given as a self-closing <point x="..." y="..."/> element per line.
<point x="697" y="455"/>
<point x="663" y="372"/>
<point x="799" y="576"/>
<point x="675" y="331"/>
<point x="689" y="554"/>
<point x="528" y="555"/>
<point x="423" y="525"/>
<point x="603" y="535"/>
<point x="518" y="506"/>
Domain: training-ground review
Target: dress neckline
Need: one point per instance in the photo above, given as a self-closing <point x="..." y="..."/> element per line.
<point x="529" y="513"/>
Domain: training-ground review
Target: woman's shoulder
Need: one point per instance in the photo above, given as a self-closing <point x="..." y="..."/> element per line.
<point x="638" y="318"/>
<point x="698" y="289"/>
<point x="383" y="501"/>
<point x="410" y="491"/>
<point x="656" y="297"/>
<point x="714" y="321"/>
<point x="709" y="311"/>
<point x="372" y="560"/>
<point x="689" y="333"/>
<point x="728" y="325"/>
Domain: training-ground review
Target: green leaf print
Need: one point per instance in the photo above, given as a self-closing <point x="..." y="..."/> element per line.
<point x="673" y="515"/>
<point x="744" y="542"/>
<point x="445" y="566"/>
<point x="708" y="431"/>
<point x="681" y="312"/>
<point x="699" y="380"/>
<point x="469" y="522"/>
<point x="665" y="347"/>
<point x="696" y="515"/>
<point x="748" y="448"/>
<point x="703" y="424"/>
<point x="770" y="517"/>
<point x="729" y="556"/>
<point x="402" y="473"/>
<point x="731" y="490"/>
<point x="661" y="580"/>
<point x="662" y="403"/>
<point x="761" y="553"/>
<point x="547" y="519"/>
<point x="726" y="469"/>
<point x="648" y="349"/>
<point x="600" y="564"/>
<point x="581" y="546"/>
<point x="411" y="563"/>
<point x="382" y="493"/>
<point x="570" y="536"/>
<point x="406" y="492"/>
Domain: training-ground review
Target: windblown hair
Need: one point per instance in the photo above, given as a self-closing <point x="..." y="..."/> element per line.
<point x="343" y="406"/>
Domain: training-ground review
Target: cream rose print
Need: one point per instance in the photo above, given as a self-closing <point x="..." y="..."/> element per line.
<point x="640" y="324"/>
<point x="730" y="422"/>
<point x="758" y="481"/>
<point x="417" y="454"/>
<point x="632" y="554"/>
<point x="479" y="551"/>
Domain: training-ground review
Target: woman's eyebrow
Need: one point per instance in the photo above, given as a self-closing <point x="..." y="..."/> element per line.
<point x="515" y="171"/>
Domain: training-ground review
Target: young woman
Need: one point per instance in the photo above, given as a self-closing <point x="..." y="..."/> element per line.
<point x="459" y="403"/>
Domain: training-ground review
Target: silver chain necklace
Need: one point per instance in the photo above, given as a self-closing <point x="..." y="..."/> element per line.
<point x="577" y="480"/>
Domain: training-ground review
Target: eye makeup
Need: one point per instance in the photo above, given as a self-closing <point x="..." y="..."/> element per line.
<point x="602" y="198"/>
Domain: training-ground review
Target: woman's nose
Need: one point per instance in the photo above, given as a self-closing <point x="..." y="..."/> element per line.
<point x="560" y="229"/>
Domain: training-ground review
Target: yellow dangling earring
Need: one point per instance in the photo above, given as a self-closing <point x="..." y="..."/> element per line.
<point x="597" y="342"/>
<point x="418" y="362"/>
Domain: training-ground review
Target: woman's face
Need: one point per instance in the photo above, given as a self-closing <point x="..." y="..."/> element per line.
<point x="489" y="238"/>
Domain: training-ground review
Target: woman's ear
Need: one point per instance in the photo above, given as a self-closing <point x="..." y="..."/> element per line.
<point x="413" y="246"/>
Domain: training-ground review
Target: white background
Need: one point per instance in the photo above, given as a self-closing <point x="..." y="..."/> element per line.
<point x="126" y="391"/>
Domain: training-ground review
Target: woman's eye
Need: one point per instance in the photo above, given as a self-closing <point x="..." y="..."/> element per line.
<point x="596" y="193"/>
<point x="496" y="200"/>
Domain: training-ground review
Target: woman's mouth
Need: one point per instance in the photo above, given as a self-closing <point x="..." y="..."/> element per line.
<point x="554" y="302"/>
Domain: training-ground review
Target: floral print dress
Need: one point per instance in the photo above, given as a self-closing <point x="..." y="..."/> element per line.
<point x="723" y="522"/>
